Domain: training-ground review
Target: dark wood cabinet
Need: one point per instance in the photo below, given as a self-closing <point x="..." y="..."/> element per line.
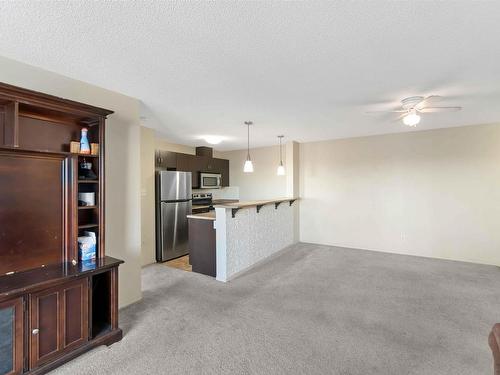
<point x="202" y="246"/>
<point x="75" y="310"/>
<point x="11" y="336"/>
<point x="53" y="306"/>
<point x="166" y="160"/>
<point x="45" y="339"/>
<point x="58" y="320"/>
<point x="222" y="167"/>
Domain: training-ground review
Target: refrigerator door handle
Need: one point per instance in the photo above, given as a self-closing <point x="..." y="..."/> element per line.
<point x="162" y="239"/>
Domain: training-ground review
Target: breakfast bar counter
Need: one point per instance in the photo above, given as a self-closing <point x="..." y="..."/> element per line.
<point x="250" y="231"/>
<point x="240" y="234"/>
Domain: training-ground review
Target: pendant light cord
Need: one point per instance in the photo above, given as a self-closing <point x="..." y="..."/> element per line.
<point x="280" y="137"/>
<point x="248" y="123"/>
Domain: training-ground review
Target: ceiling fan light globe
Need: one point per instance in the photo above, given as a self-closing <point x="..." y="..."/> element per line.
<point x="411" y="119"/>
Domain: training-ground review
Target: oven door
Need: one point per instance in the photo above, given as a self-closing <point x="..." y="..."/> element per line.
<point x="210" y="180"/>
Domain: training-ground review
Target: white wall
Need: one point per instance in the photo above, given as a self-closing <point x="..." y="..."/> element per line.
<point x="123" y="229"/>
<point x="263" y="183"/>
<point x="431" y="193"/>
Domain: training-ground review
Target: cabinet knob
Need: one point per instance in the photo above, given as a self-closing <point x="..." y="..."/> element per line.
<point x="35" y="331"/>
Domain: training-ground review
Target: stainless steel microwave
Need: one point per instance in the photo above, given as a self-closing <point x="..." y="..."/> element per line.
<point x="210" y="180"/>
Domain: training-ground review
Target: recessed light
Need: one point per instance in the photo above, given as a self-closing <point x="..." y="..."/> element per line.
<point x="213" y="139"/>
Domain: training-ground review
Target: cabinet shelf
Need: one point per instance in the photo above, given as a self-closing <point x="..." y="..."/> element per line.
<point x="87" y="207"/>
<point x="87" y="226"/>
<point x="88" y="181"/>
<point x="86" y="155"/>
<point x="34" y="150"/>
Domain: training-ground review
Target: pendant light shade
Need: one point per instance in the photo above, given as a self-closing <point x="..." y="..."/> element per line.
<point x="281" y="168"/>
<point x="248" y="167"/>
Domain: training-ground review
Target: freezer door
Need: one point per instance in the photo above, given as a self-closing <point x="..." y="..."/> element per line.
<point x="174" y="185"/>
<point x="174" y="230"/>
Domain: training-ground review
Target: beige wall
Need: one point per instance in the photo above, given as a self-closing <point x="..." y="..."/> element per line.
<point x="122" y="163"/>
<point x="293" y="182"/>
<point x="148" y="145"/>
<point x="263" y="183"/>
<point x="430" y="193"/>
<point x="162" y="144"/>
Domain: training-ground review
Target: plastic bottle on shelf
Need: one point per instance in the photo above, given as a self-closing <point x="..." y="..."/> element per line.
<point x="84" y="142"/>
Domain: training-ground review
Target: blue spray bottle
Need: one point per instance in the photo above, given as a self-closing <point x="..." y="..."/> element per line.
<point x="84" y="142"/>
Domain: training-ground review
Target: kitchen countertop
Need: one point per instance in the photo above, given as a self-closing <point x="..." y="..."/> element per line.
<point x="203" y="216"/>
<point x="224" y="201"/>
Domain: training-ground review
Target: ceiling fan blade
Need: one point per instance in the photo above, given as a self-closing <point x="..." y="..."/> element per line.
<point x="439" y="109"/>
<point x="395" y="111"/>
<point x="434" y="98"/>
<point x="429" y="98"/>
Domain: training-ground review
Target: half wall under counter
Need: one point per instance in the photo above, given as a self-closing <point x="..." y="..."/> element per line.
<point x="248" y="232"/>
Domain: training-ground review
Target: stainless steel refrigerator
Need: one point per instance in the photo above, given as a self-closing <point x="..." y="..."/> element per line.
<point x="173" y="204"/>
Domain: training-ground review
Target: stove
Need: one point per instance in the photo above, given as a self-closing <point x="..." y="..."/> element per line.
<point x="202" y="202"/>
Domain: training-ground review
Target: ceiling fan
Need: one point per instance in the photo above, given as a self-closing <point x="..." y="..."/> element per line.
<point x="412" y="107"/>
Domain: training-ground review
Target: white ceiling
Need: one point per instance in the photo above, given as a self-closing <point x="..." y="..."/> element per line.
<point x="308" y="70"/>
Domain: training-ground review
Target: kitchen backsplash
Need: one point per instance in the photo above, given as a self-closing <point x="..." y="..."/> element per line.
<point x="230" y="192"/>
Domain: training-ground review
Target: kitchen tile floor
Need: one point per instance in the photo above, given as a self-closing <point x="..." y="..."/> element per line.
<point x="181" y="263"/>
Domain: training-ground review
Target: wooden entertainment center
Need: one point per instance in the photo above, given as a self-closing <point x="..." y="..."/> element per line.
<point x="53" y="307"/>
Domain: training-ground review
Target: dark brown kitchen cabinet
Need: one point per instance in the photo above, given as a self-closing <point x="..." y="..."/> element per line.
<point x="188" y="163"/>
<point x="202" y="246"/>
<point x="11" y="336"/>
<point x="58" y="320"/>
<point x="222" y="167"/>
<point x="166" y="160"/>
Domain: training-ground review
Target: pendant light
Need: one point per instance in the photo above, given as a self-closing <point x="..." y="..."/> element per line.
<point x="248" y="167"/>
<point x="281" y="169"/>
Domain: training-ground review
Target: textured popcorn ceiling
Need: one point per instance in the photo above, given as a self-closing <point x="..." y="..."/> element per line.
<point x="308" y="70"/>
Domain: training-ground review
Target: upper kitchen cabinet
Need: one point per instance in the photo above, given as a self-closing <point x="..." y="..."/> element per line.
<point x="188" y="163"/>
<point x="222" y="167"/>
<point x="202" y="162"/>
<point x="166" y="160"/>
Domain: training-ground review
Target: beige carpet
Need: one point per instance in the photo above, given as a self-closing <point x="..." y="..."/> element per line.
<point x="312" y="310"/>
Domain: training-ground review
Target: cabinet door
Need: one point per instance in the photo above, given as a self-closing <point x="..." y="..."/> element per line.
<point x="58" y="320"/>
<point x="11" y="337"/>
<point x="222" y="167"/>
<point x="45" y="335"/>
<point x="75" y="313"/>
<point x="188" y="163"/>
<point x="166" y="160"/>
